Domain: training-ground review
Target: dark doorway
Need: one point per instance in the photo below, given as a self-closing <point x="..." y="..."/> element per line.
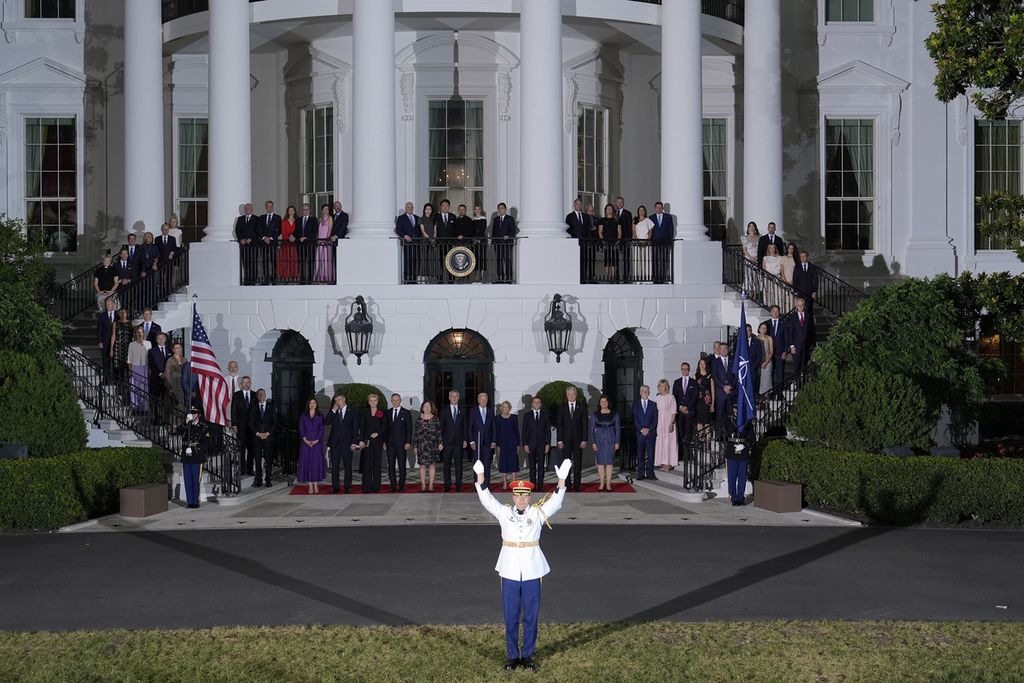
<point x="461" y="360"/>
<point x="291" y="381"/>
<point x="623" y="376"/>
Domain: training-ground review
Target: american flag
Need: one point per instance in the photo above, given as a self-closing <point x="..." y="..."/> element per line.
<point x="213" y="389"/>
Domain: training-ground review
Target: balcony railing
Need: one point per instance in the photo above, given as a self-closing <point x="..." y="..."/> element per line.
<point x="625" y="262"/>
<point x="455" y="261"/>
<point x="288" y="263"/>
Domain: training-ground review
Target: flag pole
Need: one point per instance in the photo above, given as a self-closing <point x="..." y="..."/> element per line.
<point x="191" y="365"/>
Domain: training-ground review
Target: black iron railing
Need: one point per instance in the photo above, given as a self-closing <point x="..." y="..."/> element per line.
<point x="156" y="417"/>
<point x="283" y="262"/>
<point x="456" y="261"/>
<point x="154" y="286"/>
<point x="625" y="262"/>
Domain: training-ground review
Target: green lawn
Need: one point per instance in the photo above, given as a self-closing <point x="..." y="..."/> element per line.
<point x="659" y="651"/>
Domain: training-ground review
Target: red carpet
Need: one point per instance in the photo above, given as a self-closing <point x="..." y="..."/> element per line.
<point x="303" y="490"/>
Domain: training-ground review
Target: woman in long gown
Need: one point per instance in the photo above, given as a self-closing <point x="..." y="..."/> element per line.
<point x="427" y="445"/>
<point x="311" y="447"/>
<point x="172" y="378"/>
<point x="772" y="265"/>
<point x="705" y="394"/>
<point x="764" y="381"/>
<point x="605" y="435"/>
<point x="666" y="449"/>
<point x="428" y="258"/>
<point x="642" y="270"/>
<point x="120" y="338"/>
<point x="138" y="368"/>
<point x="609" y="232"/>
<point x="788" y="262"/>
<point x="506" y="435"/>
<point x="324" y="271"/>
<point x="750" y="239"/>
<point x="288" y="256"/>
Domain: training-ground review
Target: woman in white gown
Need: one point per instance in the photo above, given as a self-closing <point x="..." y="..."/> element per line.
<point x="751" y="282"/>
<point x="642" y="261"/>
<point x="772" y="265"/>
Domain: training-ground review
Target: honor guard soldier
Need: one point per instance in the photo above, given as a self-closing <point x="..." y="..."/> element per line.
<point x="196" y="443"/>
<point x="521" y="563"/>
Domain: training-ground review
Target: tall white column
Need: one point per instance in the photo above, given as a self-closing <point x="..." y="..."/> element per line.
<point x="762" y="115"/>
<point x="230" y="140"/>
<point x="373" y="206"/>
<point x="681" y="117"/>
<point x="542" y="201"/>
<point x="143" y="116"/>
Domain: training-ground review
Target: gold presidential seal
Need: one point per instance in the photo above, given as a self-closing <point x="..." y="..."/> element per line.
<point x="460" y="261"/>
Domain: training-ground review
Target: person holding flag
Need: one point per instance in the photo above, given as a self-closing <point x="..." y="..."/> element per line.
<point x="737" y="450"/>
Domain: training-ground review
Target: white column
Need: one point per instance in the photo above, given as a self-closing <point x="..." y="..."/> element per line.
<point x="762" y="115"/>
<point x="542" y="201"/>
<point x="230" y="140"/>
<point x="373" y="205"/>
<point x="681" y="117"/>
<point x="143" y="116"/>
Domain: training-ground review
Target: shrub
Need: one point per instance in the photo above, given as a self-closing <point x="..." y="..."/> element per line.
<point x="897" y="491"/>
<point x="356" y="393"/>
<point x="552" y="395"/>
<point x="862" y="410"/>
<point x="38" y="405"/>
<point x="47" y="493"/>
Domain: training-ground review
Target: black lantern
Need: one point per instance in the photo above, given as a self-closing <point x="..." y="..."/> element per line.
<point x="557" y="327"/>
<point x="358" y="328"/>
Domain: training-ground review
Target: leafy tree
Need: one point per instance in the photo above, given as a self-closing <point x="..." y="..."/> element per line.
<point x="26" y="280"/>
<point x="38" y="405"/>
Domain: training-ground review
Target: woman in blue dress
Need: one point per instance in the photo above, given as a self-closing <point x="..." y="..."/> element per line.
<point x="311" y="448"/>
<point x="606" y="432"/>
<point x="506" y="435"/>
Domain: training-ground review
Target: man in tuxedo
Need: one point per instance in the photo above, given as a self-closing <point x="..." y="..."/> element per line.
<point x="536" y="441"/>
<point x="168" y="247"/>
<point x="572" y="426"/>
<point x="662" y="234"/>
<point x="407" y="227"/>
<point x="625" y="221"/>
<point x="104" y="333"/>
<point x="158" y="356"/>
<point x="245" y="233"/>
<point x="268" y="230"/>
<point x="308" y="229"/>
<point x="444" y="221"/>
<point x="777" y="331"/>
<point x="769" y="238"/>
<point x="755" y="357"/>
<point x="725" y="383"/>
<point x="503" y="232"/>
<point x="242" y="402"/>
<point x="805" y="280"/>
<point x="797" y="336"/>
<point x="397" y="441"/>
<point x="480" y="434"/>
<point x="343" y="440"/>
<point x="339" y="223"/>
<point x="684" y="390"/>
<point x="581" y="226"/>
<point x="645" y="419"/>
<point x="150" y="329"/>
<point x="263" y="425"/>
<point x="453" y="440"/>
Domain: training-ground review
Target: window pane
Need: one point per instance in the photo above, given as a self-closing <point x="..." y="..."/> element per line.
<point x="456" y="117"/>
<point x="475" y="115"/>
<point x="437" y="115"/>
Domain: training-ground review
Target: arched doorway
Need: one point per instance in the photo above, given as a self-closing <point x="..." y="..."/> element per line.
<point x="461" y="360"/>
<point x="291" y="376"/>
<point x="623" y="377"/>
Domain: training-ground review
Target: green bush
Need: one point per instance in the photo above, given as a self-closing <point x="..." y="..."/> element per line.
<point x="892" y="490"/>
<point x="38" y="405"/>
<point x="356" y="393"/>
<point x="47" y="493"/>
<point x="862" y="410"/>
<point x="552" y="395"/>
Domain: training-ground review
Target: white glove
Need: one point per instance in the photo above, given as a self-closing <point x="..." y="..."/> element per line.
<point x="188" y="451"/>
<point x="478" y="467"/>
<point x="563" y="470"/>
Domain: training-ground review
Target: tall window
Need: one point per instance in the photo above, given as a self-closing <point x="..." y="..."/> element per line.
<point x="318" y="157"/>
<point x="51" y="203"/>
<point x="996" y="168"/>
<point x="849" y="10"/>
<point x="716" y="191"/>
<point x="193" y="166"/>
<point x="592" y="157"/>
<point x="849" y="183"/>
<point x="49" y="9"/>
<point x="457" y="152"/>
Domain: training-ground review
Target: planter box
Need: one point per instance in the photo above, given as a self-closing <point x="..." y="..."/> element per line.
<point x="143" y="500"/>
<point x="778" y="496"/>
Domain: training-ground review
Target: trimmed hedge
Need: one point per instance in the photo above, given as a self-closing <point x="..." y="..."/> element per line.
<point x="48" y="493"/>
<point x="356" y="393"/>
<point x="39" y="405"/>
<point x="552" y="395"/>
<point x="889" y="490"/>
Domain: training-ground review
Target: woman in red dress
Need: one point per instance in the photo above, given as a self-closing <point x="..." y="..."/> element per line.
<point x="288" y="257"/>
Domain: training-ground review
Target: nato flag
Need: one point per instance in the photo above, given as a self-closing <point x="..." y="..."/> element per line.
<point x="746" y="402"/>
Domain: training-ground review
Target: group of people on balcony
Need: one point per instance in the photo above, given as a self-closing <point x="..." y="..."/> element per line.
<point x="294" y="249"/>
<point x="772" y="255"/>
<point x="631" y="248"/>
<point x="136" y="262"/>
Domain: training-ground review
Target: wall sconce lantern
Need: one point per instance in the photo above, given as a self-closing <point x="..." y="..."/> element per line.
<point x="358" y="329"/>
<point x="558" y="328"/>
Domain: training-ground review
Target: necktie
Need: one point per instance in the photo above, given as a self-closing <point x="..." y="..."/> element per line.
<point x="572" y="409"/>
<point x="455" y="412"/>
<point x="394" y="416"/>
<point x="412" y="219"/>
<point x="645" y="405"/>
<point x="536" y="415"/>
<point x="579" y="218"/>
<point x="263" y="410"/>
<point x="268" y="220"/>
<point x="147" y="329"/>
<point x="684" y="384"/>
<point x="801" y="320"/>
<point x="131" y="252"/>
<point x="343" y="412"/>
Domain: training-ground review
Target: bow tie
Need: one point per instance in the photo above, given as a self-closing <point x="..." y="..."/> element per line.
<point x="520" y="512"/>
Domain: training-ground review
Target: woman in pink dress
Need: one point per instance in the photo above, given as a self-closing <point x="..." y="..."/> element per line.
<point x="666" y="452"/>
<point x="324" y="263"/>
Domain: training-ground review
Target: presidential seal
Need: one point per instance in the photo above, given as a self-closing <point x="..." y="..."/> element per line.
<point x="460" y="261"/>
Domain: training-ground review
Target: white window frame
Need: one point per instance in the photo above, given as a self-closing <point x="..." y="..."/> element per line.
<point x="581" y="109"/>
<point x="14" y="23"/>
<point x="312" y="197"/>
<point x="883" y="25"/>
<point x="79" y="184"/>
<point x="969" y="203"/>
<point x="874" y="181"/>
<point x="487" y="170"/>
<point x="176" y="164"/>
<point x="729" y="167"/>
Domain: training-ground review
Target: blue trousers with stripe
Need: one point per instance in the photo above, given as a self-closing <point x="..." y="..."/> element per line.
<point x="521" y="599"/>
<point x="191" y="476"/>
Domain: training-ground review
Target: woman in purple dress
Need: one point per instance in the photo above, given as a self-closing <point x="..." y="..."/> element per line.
<point x="311" y="450"/>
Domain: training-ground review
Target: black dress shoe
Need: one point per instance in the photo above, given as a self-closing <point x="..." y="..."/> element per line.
<point x="447" y="488"/>
<point x="528" y="664"/>
<point x="268" y="483"/>
<point x="511" y="665"/>
<point x="335" y="490"/>
<point x="257" y="484"/>
<point x="653" y="477"/>
<point x="641" y="478"/>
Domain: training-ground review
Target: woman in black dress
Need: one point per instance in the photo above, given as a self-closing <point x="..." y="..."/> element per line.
<point x="371" y="440"/>
<point x="610" y="232"/>
<point x="705" y="394"/>
<point x="121" y="337"/>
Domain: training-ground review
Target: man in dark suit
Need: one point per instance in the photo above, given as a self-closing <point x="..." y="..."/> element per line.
<point x="805" y="280"/>
<point x="797" y="335"/>
<point x="263" y="424"/>
<point x="536" y="441"/>
<point x="134" y="251"/>
<point x="503" y="232"/>
<point x="158" y="356"/>
<point x="725" y="383"/>
<point x="241" y="408"/>
<point x="308" y="229"/>
<point x="662" y="234"/>
<point x="268" y="230"/>
<point x="756" y="357"/>
<point x="453" y="440"/>
<point x="342" y="441"/>
<point x="150" y="329"/>
<point x="104" y="333"/>
<point x="245" y="233"/>
<point x="684" y="390"/>
<point x="480" y="434"/>
<point x="769" y="238"/>
<point x="397" y="441"/>
<point x="166" y="244"/>
<point x="444" y="221"/>
<point x="777" y="331"/>
<point x="127" y="271"/>
<point x="580" y="225"/>
<point x="407" y="227"/>
<point x="645" y="419"/>
<point x="572" y="426"/>
<point x="625" y="220"/>
<point x="339" y="223"/>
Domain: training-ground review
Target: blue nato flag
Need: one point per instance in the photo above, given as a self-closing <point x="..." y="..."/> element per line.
<point x="746" y="402"/>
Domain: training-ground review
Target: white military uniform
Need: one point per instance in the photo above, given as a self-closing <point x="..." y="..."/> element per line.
<point x="521" y="558"/>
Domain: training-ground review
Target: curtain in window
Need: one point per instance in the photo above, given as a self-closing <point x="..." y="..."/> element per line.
<point x="715" y="149"/>
<point x="190" y="144"/>
<point x="860" y="144"/>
